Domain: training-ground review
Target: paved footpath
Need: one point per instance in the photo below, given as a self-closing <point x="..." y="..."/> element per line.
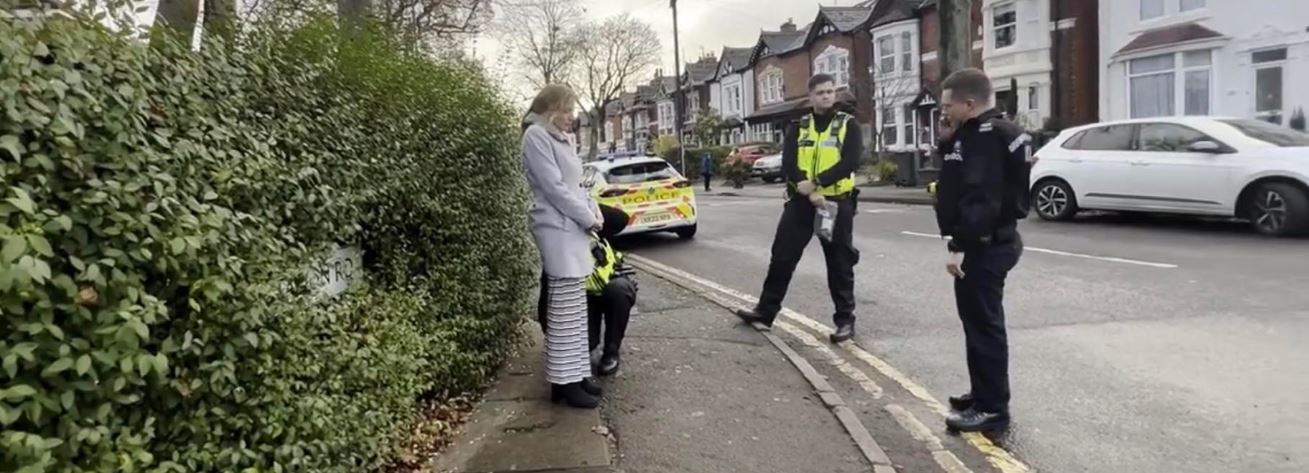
<point x="701" y="393"/>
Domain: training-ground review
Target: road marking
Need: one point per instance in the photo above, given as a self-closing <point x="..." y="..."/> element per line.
<point x="998" y="457"/>
<point x="885" y="211"/>
<point x="1110" y="259"/>
<point x="944" y="458"/>
<point x="834" y="359"/>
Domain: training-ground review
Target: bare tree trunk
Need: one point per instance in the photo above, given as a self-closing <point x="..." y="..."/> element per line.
<point x="956" y="39"/>
<point x="220" y="18"/>
<point x="353" y="12"/>
<point x="593" y="137"/>
<point x="178" y="17"/>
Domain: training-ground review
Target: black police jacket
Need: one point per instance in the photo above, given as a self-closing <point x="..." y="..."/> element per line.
<point x="984" y="185"/>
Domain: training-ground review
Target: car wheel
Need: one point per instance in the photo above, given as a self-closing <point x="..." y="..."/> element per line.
<point x="1278" y="209"/>
<point x="770" y="180"/>
<point x="1054" y="200"/>
<point x="686" y="233"/>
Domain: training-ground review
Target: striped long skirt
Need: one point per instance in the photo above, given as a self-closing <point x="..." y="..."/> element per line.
<point x="567" y="360"/>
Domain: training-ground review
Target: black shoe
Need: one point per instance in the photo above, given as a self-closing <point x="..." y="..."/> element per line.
<point x="843" y="333"/>
<point x="961" y="402"/>
<point x="751" y="316"/>
<point x="609" y="364"/>
<point x="574" y="395"/>
<point x="973" y="420"/>
<point x="592" y="387"/>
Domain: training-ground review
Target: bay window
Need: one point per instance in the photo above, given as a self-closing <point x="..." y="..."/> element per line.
<point x="1157" y="84"/>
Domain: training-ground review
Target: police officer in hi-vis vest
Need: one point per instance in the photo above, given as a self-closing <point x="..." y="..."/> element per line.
<point x="819" y="158"/>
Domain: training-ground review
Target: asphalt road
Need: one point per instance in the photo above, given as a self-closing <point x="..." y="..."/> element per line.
<point x="1138" y="344"/>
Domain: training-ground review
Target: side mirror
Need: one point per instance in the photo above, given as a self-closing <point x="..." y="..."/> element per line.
<point x="1205" y="146"/>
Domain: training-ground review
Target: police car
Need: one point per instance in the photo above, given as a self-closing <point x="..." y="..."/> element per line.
<point x="653" y="194"/>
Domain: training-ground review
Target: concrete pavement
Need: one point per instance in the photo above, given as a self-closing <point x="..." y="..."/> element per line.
<point x="700" y="392"/>
<point x="1138" y="343"/>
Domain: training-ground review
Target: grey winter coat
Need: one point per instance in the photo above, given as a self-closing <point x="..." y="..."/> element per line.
<point x="562" y="211"/>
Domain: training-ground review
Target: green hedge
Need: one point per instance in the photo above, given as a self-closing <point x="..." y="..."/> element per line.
<point x="161" y="210"/>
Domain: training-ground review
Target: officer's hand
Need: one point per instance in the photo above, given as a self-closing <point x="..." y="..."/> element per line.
<point x="944" y="128"/>
<point x="599" y="221"/>
<point x="955" y="265"/>
<point x="806" y="187"/>
<point x="818" y="200"/>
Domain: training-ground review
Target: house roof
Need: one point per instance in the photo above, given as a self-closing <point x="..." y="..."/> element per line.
<point x="891" y="11"/>
<point x="794" y="106"/>
<point x="779" y="42"/>
<point x="846" y="19"/>
<point x="736" y="59"/>
<point x="703" y="70"/>
<point x="1177" y="34"/>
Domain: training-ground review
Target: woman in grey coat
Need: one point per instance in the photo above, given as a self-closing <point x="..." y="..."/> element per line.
<point x="563" y="215"/>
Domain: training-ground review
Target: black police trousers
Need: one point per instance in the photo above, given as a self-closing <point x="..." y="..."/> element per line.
<point x="979" y="296"/>
<point x="794" y="231"/>
<point x="610" y="311"/>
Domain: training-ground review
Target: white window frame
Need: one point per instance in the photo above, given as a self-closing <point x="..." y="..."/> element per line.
<point x="1033" y="97"/>
<point x="835" y="62"/>
<point x="1179" y="72"/>
<point x="907" y="55"/>
<point x="885" y="55"/>
<point x="1163" y="10"/>
<point x="609" y="130"/>
<point x="996" y="27"/>
<point x="1198" y="5"/>
<point x="889" y="122"/>
<point x="1255" y="67"/>
<point x="770" y="87"/>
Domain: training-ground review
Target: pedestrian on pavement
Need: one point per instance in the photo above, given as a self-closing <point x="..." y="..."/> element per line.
<point x="707" y="169"/>
<point x="982" y="194"/>
<point x="562" y="218"/>
<point x="819" y="158"/>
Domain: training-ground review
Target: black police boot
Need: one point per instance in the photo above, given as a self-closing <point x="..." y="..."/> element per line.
<point x="592" y="387"/>
<point x="752" y="316"/>
<point x="609" y="364"/>
<point x="973" y="420"/>
<point x="843" y="333"/>
<point x="574" y="395"/>
<point x="961" y="402"/>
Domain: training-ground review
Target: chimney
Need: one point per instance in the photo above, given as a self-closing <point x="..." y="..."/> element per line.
<point x="789" y="26"/>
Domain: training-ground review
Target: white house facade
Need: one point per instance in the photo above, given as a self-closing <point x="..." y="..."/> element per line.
<point x="1016" y="51"/>
<point x="1204" y="57"/>
<point x="896" y="72"/>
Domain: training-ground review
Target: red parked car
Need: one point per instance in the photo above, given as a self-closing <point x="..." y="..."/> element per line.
<point x="751" y="152"/>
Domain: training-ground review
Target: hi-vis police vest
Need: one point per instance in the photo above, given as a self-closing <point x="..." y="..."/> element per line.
<point x="606" y="261"/>
<point x="820" y="151"/>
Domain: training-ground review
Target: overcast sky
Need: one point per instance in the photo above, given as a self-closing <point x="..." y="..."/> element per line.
<point x="705" y="26"/>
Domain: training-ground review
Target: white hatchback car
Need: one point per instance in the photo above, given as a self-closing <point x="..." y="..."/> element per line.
<point x="1228" y="167"/>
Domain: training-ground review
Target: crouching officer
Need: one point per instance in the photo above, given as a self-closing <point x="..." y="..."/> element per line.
<point x="819" y="159"/>
<point x="982" y="194"/>
<point x="610" y="296"/>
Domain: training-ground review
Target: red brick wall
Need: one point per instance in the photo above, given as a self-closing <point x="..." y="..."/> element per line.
<point x="860" y="47"/>
<point x="795" y="68"/>
<point x="929" y="40"/>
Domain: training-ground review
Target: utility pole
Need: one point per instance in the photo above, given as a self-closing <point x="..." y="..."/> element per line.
<point x="677" y="89"/>
<point x="956" y="39"/>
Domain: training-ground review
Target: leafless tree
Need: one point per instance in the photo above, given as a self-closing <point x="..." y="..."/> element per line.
<point x="613" y="56"/>
<point x="891" y="90"/>
<point x="542" y="37"/>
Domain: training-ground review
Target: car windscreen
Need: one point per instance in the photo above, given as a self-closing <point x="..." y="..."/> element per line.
<point x="1270" y="133"/>
<point x="641" y="172"/>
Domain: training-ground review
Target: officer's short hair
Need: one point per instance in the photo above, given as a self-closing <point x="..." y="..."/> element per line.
<point x="820" y="79"/>
<point x="969" y="83"/>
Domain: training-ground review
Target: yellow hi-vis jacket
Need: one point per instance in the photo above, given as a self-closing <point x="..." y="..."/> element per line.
<point x="819" y="151"/>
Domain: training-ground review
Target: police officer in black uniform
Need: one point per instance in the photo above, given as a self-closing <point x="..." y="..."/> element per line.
<point x="982" y="194"/>
<point x="819" y="158"/>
